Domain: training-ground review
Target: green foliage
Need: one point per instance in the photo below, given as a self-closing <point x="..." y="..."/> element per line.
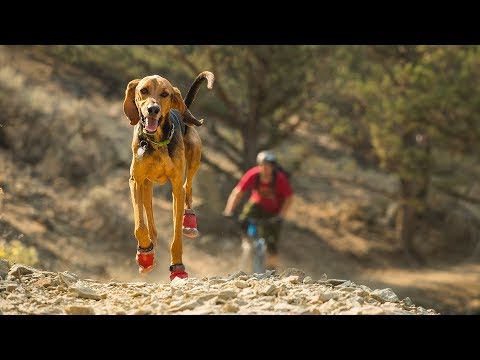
<point x="113" y="65"/>
<point x="405" y="99"/>
<point x="410" y="111"/>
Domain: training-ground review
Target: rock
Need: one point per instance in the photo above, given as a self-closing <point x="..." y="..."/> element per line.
<point x="407" y="301"/>
<point x="182" y="306"/>
<point x="308" y="280"/>
<point x="4" y="267"/>
<point x="44" y="282"/>
<point x="293" y="279"/>
<point x="230" y="307"/>
<point x="335" y="282"/>
<point x="292" y="271"/>
<point x="217" y="281"/>
<point x="79" y="310"/>
<point x="241" y="284"/>
<point x="227" y="294"/>
<point x="206" y="297"/>
<point x="86" y="292"/>
<point x="11" y="286"/>
<point x="41" y="292"/>
<point x="346" y="284"/>
<point x="19" y="270"/>
<point x="327" y="295"/>
<point x="268" y="290"/>
<point x="384" y="295"/>
<point x="68" y="278"/>
<point x="52" y="311"/>
<point x="284" y="307"/>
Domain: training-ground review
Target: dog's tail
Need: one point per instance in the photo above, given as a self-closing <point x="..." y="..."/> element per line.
<point x="196" y="86"/>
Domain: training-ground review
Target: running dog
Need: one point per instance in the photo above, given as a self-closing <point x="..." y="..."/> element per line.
<point x="165" y="146"/>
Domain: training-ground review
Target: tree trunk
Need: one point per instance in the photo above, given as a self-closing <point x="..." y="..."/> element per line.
<point x="406" y="228"/>
<point x="250" y="141"/>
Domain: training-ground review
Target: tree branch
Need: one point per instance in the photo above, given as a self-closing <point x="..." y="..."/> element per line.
<point x="354" y="182"/>
<point x="231" y="106"/>
<point x="457" y="195"/>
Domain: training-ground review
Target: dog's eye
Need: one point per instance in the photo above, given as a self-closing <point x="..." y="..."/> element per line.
<point x="144" y="91"/>
<point x="164" y="94"/>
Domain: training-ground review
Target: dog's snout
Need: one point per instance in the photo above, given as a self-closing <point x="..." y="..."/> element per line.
<point x="153" y="109"/>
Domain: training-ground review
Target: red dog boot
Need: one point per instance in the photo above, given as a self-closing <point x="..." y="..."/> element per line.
<point x="145" y="259"/>
<point x="177" y="270"/>
<point x="189" y="226"/>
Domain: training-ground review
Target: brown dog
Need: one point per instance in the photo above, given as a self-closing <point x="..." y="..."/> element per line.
<point x="166" y="146"/>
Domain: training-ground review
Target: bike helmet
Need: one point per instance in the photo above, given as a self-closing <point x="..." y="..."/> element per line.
<point x="266" y="156"/>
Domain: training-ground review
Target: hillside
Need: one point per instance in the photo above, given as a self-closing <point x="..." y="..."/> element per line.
<point x="65" y="191"/>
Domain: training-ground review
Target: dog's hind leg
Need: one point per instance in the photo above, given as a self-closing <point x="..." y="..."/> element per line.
<point x="147" y="203"/>
<point x="193" y="146"/>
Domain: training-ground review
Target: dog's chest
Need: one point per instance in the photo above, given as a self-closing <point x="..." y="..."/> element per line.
<point x="155" y="166"/>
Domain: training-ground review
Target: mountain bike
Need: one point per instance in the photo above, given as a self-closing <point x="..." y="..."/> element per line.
<point x="259" y="246"/>
<point x="254" y="246"/>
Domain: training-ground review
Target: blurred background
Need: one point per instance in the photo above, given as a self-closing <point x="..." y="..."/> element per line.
<point x="382" y="144"/>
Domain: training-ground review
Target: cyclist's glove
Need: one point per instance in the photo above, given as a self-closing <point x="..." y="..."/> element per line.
<point x="276" y="220"/>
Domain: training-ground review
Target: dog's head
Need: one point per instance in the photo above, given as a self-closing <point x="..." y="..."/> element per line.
<point x="151" y="99"/>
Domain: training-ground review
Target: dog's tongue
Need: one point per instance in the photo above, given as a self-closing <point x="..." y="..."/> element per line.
<point x="151" y="125"/>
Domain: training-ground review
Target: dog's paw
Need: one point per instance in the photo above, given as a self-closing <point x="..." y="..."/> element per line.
<point x="182" y="274"/>
<point x="177" y="270"/>
<point x="190" y="232"/>
<point x="145" y="261"/>
<point x="189" y="226"/>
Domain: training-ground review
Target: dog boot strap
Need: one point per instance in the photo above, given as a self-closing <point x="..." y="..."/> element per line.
<point x="145" y="259"/>
<point x="178" y="270"/>
<point x="176" y="267"/>
<point x="147" y="250"/>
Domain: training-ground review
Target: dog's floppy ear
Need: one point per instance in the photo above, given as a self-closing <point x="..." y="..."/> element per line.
<point x="177" y="101"/>
<point x="129" y="106"/>
<point x="179" y="104"/>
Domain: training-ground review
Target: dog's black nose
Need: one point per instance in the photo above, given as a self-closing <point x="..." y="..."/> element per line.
<point x="153" y="109"/>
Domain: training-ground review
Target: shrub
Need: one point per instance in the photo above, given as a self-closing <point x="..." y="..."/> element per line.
<point x="15" y="252"/>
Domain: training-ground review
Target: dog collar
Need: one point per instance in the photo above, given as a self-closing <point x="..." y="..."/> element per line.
<point x="145" y="137"/>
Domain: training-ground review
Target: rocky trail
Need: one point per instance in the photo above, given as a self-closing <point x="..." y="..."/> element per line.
<point x="25" y="290"/>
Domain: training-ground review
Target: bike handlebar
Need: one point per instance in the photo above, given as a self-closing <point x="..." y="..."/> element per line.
<point x="257" y="221"/>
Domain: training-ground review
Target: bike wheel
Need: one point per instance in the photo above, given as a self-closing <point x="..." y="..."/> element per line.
<point x="259" y="256"/>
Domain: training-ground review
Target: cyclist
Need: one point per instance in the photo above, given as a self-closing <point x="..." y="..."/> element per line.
<point x="271" y="196"/>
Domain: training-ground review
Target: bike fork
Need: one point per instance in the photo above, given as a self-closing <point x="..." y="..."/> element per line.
<point x="259" y="256"/>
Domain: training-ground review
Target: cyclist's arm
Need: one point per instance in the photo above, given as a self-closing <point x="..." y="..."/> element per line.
<point x="233" y="200"/>
<point x="244" y="185"/>
<point x="285" y="206"/>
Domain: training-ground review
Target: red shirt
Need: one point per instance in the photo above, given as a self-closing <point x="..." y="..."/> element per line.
<point x="268" y="197"/>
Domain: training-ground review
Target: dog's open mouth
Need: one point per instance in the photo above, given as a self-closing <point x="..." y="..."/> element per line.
<point x="151" y="125"/>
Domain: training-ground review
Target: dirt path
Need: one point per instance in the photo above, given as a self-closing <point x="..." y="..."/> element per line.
<point x="29" y="291"/>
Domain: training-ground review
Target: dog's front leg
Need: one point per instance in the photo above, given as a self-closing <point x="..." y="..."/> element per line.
<point x="141" y="232"/>
<point x="147" y="203"/>
<point x="145" y="253"/>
